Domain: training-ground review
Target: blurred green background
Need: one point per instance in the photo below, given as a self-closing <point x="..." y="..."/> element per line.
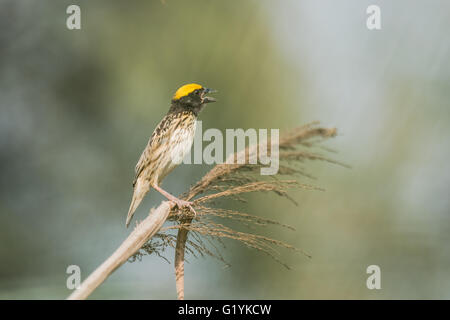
<point x="77" y="108"/>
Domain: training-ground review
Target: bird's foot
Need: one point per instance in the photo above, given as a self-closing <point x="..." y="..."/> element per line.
<point x="185" y="204"/>
<point x="180" y="203"/>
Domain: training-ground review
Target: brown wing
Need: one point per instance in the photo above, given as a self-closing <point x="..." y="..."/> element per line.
<point x="159" y="136"/>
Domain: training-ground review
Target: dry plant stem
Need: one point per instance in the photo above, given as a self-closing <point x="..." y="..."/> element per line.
<point x="179" y="261"/>
<point x="138" y="237"/>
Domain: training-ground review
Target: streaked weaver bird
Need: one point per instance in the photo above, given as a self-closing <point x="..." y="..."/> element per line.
<point x="169" y="143"/>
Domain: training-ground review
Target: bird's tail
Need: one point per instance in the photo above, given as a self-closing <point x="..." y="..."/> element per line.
<point x="138" y="195"/>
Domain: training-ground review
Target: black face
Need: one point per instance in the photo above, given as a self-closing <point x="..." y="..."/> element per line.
<point x="196" y="99"/>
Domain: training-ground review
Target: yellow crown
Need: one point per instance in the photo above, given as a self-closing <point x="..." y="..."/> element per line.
<point x="185" y="90"/>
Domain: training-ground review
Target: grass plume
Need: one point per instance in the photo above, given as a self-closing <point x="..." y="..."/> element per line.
<point x="234" y="181"/>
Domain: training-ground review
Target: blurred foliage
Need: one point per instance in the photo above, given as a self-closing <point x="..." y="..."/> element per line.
<point x="77" y="108"/>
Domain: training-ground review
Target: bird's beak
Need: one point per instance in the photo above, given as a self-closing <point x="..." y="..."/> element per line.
<point x="208" y="99"/>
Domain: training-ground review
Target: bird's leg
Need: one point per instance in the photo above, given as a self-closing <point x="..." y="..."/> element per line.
<point x="180" y="203"/>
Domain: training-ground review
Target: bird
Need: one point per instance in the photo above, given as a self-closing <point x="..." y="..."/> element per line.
<point x="169" y="143"/>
